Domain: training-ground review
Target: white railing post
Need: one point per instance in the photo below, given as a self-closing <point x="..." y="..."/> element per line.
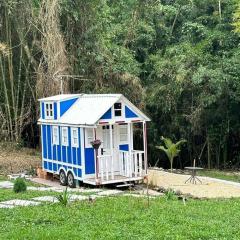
<point x="106" y="167"/>
<point x="140" y="164"/>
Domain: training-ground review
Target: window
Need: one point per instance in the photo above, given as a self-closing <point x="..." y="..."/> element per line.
<point x="75" y="137"/>
<point x="65" y="136"/>
<point x="49" y="110"/>
<point x="123" y="132"/>
<point x="89" y="137"/>
<point x="55" y="137"/>
<point x="117" y="109"/>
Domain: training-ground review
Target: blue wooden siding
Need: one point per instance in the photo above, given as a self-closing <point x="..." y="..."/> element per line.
<point x="59" y="153"/>
<point x="107" y="115"/>
<point x="89" y="161"/>
<point x="124" y="147"/>
<point x="65" y="105"/>
<point x="129" y="113"/>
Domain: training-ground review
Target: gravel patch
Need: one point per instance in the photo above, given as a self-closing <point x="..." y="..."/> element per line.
<point x="18" y="202"/>
<point x="210" y="187"/>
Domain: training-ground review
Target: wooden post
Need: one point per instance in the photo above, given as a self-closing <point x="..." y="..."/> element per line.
<point x="111" y="147"/>
<point x="145" y="145"/>
<point x="129" y="160"/>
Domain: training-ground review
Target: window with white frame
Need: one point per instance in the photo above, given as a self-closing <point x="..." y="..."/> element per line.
<point x="74" y="138"/>
<point x="89" y="137"/>
<point x="49" y="110"/>
<point x="55" y="135"/>
<point x="117" y="109"/>
<point x="64" y="136"/>
<point x="123" y="133"/>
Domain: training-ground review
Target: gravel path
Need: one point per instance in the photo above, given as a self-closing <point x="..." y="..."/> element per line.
<point x="210" y="187"/>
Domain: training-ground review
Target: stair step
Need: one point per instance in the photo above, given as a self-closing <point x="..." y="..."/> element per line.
<point x="124" y="185"/>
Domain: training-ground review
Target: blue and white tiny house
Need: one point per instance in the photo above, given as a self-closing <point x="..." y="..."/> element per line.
<point x="70" y="122"/>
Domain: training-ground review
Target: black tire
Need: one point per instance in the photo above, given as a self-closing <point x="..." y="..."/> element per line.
<point x="71" y="181"/>
<point x="63" y="178"/>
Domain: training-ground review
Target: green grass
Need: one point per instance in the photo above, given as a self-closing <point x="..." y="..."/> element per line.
<point x="230" y="176"/>
<point x="122" y="218"/>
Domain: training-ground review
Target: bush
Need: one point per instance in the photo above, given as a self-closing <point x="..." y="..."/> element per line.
<point x="19" y="185"/>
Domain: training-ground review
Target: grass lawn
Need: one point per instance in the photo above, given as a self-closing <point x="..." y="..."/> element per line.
<point x="230" y="176"/>
<point x="122" y="218"/>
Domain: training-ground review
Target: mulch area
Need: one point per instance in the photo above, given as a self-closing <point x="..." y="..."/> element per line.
<point x="14" y="161"/>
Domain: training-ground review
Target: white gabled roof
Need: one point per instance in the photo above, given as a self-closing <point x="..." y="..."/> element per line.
<point x="60" y="97"/>
<point x="89" y="108"/>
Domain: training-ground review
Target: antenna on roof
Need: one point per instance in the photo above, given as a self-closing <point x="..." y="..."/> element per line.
<point x="62" y="77"/>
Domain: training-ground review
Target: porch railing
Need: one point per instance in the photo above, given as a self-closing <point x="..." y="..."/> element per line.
<point x="106" y="167"/>
<point x="132" y="163"/>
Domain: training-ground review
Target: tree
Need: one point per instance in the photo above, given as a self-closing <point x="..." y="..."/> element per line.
<point x="171" y="149"/>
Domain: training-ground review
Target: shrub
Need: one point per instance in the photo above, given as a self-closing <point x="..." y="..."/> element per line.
<point x="170" y="194"/>
<point x="19" y="185"/>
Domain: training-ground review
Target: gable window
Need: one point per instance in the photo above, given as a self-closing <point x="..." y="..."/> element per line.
<point x="117" y="109"/>
<point x="89" y="137"/>
<point x="55" y="137"/>
<point x="74" y="139"/>
<point x="123" y="132"/>
<point x="64" y="136"/>
<point x="49" y="110"/>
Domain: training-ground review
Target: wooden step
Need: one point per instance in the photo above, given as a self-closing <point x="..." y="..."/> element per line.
<point x="125" y="185"/>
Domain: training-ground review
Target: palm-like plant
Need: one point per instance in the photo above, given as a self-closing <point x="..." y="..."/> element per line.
<point x="171" y="149"/>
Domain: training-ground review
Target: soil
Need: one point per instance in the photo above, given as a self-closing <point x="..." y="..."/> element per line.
<point x="14" y="160"/>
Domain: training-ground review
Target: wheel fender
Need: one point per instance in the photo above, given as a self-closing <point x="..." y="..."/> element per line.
<point x="71" y="171"/>
<point x="60" y="169"/>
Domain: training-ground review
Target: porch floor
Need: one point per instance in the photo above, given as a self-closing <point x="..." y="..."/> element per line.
<point x="117" y="179"/>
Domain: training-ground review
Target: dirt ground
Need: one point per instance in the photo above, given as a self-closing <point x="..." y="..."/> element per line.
<point x="14" y="160"/>
<point x="210" y="187"/>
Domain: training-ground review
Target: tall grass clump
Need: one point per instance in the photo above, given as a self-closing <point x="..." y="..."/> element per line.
<point x="19" y="185"/>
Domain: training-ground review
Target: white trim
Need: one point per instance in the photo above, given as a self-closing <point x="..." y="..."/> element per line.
<point x="64" y="143"/>
<point x="56" y="123"/>
<point x="53" y="134"/>
<point x="42" y="145"/>
<point x="88" y="131"/>
<point x="82" y="151"/>
<point x="48" y="116"/>
<point x="76" y="145"/>
<point x="63" y="163"/>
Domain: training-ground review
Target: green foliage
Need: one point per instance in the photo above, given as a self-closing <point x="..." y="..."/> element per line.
<point x="19" y="185"/>
<point x="171" y="149"/>
<point x="122" y="218"/>
<point x="63" y="198"/>
<point x="170" y="195"/>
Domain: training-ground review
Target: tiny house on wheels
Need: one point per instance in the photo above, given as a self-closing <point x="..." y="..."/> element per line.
<point x="74" y="125"/>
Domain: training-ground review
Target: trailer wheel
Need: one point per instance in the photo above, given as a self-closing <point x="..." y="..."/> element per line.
<point x="62" y="178"/>
<point x="71" y="180"/>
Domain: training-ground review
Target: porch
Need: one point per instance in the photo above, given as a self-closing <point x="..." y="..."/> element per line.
<point x="116" y="160"/>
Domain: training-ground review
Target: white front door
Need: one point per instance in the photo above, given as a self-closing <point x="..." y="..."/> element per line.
<point x="105" y="148"/>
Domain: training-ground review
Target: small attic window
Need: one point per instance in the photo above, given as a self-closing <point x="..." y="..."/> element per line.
<point x="49" y="110"/>
<point x="117" y="109"/>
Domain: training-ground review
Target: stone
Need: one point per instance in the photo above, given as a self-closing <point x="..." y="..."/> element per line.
<point x="46" y="199"/>
<point x="6" y="184"/>
<point x="6" y="206"/>
<point x="78" y="197"/>
<point x="18" y="202"/>
<point x="110" y="192"/>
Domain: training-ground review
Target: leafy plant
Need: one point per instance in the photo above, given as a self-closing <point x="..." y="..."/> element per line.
<point x="19" y="185"/>
<point x="170" y="194"/>
<point x="63" y="198"/>
<point x="171" y="149"/>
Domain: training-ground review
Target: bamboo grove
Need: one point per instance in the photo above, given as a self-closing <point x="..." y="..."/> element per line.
<point x="177" y="59"/>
